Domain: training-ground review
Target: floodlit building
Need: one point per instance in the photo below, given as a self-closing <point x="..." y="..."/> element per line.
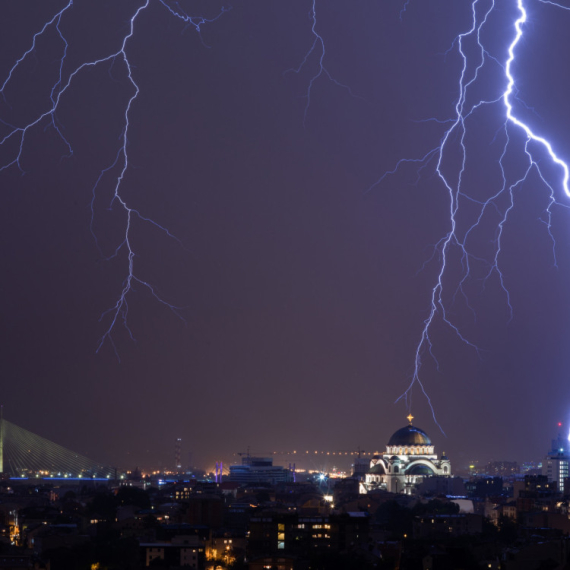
<point x="555" y="464"/>
<point x="408" y="460"/>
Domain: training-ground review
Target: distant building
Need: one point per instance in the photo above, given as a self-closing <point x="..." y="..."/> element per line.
<point x="555" y="464"/>
<point x="444" y="526"/>
<point x="502" y="468"/>
<point x="206" y="510"/>
<point x="408" y="460"/>
<point x="442" y="485"/>
<point x="281" y="534"/>
<point x="361" y="466"/>
<point x="482" y="487"/>
<point x="532" y="468"/>
<point x="259" y="470"/>
<point x="182" y="493"/>
<point x="535" y="493"/>
<point x="535" y="485"/>
<point x="187" y="551"/>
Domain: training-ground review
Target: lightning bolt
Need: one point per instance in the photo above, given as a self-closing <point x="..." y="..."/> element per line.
<point x="316" y="52"/>
<point x="16" y="135"/>
<point x="456" y="238"/>
<point x="459" y="238"/>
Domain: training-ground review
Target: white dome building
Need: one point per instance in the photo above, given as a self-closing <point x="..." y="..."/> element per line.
<point x="409" y="458"/>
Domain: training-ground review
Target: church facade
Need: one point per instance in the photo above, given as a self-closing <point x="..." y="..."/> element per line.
<point x="409" y="458"/>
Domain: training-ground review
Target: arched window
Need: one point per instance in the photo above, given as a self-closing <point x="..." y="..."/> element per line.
<point x="445" y="468"/>
<point x="396" y="469"/>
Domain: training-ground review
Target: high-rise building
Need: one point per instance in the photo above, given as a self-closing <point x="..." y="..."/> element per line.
<point x="555" y="464"/>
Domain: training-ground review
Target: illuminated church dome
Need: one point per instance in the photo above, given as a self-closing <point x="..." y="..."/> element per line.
<point x="410" y="435"/>
<point x="409" y="459"/>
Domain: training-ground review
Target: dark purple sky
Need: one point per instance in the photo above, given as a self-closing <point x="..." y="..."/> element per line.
<point x="301" y="292"/>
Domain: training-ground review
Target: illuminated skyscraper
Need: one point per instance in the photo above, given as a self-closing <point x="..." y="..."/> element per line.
<point x="555" y="464"/>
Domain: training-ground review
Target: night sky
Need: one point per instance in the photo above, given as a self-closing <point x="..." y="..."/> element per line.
<point x="301" y="289"/>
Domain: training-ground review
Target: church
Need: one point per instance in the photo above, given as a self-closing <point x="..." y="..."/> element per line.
<point x="409" y="458"/>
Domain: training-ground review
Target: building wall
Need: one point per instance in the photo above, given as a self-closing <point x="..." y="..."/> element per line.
<point x="291" y="534"/>
<point x="440" y="526"/>
<point x="396" y="477"/>
<point x="555" y="467"/>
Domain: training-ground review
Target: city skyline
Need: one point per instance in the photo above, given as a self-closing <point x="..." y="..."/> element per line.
<point x="50" y="459"/>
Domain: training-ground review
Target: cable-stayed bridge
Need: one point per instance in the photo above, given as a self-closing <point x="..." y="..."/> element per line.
<point x="26" y="454"/>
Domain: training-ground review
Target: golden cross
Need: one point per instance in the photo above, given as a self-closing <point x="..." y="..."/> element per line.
<point x="410" y="418"/>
